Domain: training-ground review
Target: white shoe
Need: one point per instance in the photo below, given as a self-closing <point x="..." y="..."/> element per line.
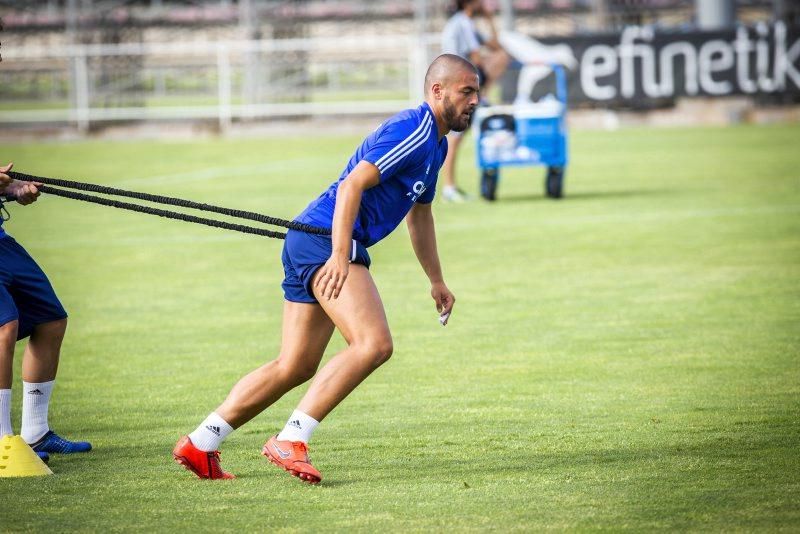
<point x="453" y="194"/>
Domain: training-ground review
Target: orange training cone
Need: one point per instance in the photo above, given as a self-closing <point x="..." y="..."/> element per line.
<point x="17" y="459"/>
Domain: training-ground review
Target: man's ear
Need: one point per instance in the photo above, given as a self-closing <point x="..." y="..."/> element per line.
<point x="437" y="90"/>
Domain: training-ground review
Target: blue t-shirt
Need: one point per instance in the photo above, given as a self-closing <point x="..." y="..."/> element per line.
<point x="407" y="151"/>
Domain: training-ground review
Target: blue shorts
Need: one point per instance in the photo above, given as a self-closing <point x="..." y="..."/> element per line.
<point x="303" y="254"/>
<point x="25" y="292"/>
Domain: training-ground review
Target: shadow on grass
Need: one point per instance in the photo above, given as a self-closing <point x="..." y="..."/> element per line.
<point x="678" y="458"/>
<point x="588" y="195"/>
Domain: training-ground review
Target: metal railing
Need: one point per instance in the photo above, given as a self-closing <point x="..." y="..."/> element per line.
<point x="223" y="81"/>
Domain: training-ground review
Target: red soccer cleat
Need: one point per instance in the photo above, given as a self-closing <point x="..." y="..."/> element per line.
<point x="293" y="457"/>
<point x="201" y="463"/>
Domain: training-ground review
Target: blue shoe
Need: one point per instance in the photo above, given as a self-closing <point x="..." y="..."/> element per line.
<point x="43" y="456"/>
<point x="53" y="443"/>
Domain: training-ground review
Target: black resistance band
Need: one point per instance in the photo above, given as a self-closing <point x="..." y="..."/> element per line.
<point x="158" y="199"/>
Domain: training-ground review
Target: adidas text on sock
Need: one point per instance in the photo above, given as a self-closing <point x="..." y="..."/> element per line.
<point x="299" y="427"/>
<point x="211" y="433"/>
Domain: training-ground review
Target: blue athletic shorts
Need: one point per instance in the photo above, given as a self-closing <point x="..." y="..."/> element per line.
<point x="303" y="254"/>
<point x="25" y="292"/>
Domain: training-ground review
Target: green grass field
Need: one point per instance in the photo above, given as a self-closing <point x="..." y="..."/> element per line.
<point x="627" y="358"/>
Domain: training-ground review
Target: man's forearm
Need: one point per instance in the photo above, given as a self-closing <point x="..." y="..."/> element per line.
<point x="348" y="200"/>
<point x="423" y="240"/>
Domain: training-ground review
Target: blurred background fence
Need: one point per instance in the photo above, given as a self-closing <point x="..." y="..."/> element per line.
<point x="87" y="63"/>
<point x="222" y="80"/>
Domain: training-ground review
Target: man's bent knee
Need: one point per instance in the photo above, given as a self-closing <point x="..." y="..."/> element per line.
<point x="53" y="330"/>
<point x="58" y="327"/>
<point x="8" y="331"/>
<point x="383" y="353"/>
<point x="377" y="351"/>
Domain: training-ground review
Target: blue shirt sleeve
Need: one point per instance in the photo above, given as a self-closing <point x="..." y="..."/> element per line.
<point x="396" y="146"/>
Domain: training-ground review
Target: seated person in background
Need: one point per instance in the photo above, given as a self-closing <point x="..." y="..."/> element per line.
<point x="460" y="37"/>
<point x="536" y="60"/>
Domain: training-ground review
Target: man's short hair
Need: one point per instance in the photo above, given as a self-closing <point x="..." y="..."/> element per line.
<point x="461" y="4"/>
<point x="443" y="62"/>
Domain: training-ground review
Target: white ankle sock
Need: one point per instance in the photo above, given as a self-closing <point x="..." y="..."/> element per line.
<point x="5" y="413"/>
<point x="211" y="432"/>
<point x="299" y="427"/>
<point x="35" y="402"/>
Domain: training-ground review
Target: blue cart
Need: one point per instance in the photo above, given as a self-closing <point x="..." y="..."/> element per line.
<point x="524" y="134"/>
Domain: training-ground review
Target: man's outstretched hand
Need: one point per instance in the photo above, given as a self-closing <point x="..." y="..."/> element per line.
<point x="24" y="192"/>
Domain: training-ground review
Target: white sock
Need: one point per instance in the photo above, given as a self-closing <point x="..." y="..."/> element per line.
<point x="5" y="413"/>
<point x="211" y="432"/>
<point x="35" y="402"/>
<point x="299" y="427"/>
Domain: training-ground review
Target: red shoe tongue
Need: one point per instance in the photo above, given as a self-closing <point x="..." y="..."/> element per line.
<point x="302" y="449"/>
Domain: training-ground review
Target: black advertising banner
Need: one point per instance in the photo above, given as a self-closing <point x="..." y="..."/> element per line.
<point x="640" y="65"/>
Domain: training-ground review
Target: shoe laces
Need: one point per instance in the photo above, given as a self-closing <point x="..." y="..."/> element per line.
<point x="54" y="442"/>
<point x="213" y="463"/>
<point x="57" y="442"/>
<point x="302" y="448"/>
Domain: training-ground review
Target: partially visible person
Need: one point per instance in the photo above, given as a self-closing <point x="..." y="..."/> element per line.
<point x="29" y="308"/>
<point x="461" y="37"/>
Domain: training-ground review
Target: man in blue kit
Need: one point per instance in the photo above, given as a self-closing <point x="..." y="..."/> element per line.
<point x="327" y="284"/>
<point x="29" y="308"/>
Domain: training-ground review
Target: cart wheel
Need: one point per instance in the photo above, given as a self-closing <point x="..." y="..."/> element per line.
<point x="489" y="184"/>
<point x="555" y="182"/>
